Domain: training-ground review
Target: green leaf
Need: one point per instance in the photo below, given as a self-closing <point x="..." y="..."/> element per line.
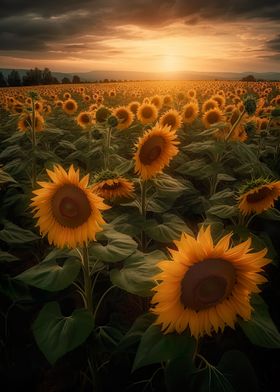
<point x="5" y="177"/>
<point x="208" y="147"/>
<point x="156" y="347"/>
<point x="177" y="372"/>
<point x="234" y="373"/>
<point x="51" y="276"/>
<point x="136" y="275"/>
<point x="271" y="214"/>
<point x="6" y="257"/>
<point x="56" y="334"/>
<point x="170" y="229"/>
<point x="137" y="330"/>
<point x="13" y="234"/>
<point x="222" y="211"/>
<point x="117" y="246"/>
<point x="260" y="329"/>
<point x="130" y="224"/>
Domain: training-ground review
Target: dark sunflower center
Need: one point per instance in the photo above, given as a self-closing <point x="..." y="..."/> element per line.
<point x="147" y="112"/>
<point x="169" y="120"/>
<point x="70" y="206"/>
<point x="213" y="117"/>
<point x="188" y="112"/>
<point x="70" y="105"/>
<point x="151" y="150"/>
<point x="207" y="284"/>
<point x="122" y="115"/>
<point x="108" y="187"/>
<point x="85" y="119"/>
<point x="258" y="195"/>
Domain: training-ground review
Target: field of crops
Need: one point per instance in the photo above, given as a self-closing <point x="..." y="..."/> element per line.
<point x="139" y="237"/>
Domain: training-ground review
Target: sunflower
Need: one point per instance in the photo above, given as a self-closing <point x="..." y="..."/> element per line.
<point x="67" y="211"/>
<point x="191" y="94"/>
<point x="58" y="103"/>
<point x="209" y="104"/>
<point x="66" y="95"/>
<point x="101" y="114"/>
<point x="70" y="106"/>
<point x="110" y="186"/>
<point x="147" y="113"/>
<point x="84" y="119"/>
<point x="167" y="100"/>
<point x="205" y="286"/>
<point x="133" y="106"/>
<point x="212" y="116"/>
<point x="155" y="150"/>
<point x="258" y="195"/>
<point x="190" y="112"/>
<point x="171" y="118"/>
<point x="157" y="101"/>
<point x="220" y="99"/>
<point x="25" y="122"/>
<point x="124" y="116"/>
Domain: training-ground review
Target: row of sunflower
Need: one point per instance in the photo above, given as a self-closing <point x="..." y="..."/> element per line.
<point x="160" y="246"/>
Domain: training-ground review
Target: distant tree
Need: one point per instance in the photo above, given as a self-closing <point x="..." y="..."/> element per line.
<point x="14" y="78"/>
<point x="32" y="77"/>
<point x="65" y="80"/>
<point x="3" y="82"/>
<point x="249" y="78"/>
<point x="55" y="80"/>
<point x="47" y="77"/>
<point x="76" y="79"/>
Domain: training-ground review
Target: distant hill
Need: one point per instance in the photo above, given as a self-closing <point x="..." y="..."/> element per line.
<point x="93" y="76"/>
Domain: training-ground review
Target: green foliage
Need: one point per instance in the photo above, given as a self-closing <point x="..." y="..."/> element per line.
<point x="56" y="334"/>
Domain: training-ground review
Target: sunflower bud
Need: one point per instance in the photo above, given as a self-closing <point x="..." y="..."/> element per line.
<point x="112" y="121"/>
<point x="250" y="105"/>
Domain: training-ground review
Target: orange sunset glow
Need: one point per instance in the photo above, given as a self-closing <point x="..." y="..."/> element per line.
<point x="160" y="36"/>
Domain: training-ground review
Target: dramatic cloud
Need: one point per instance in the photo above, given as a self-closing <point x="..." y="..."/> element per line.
<point x="168" y="34"/>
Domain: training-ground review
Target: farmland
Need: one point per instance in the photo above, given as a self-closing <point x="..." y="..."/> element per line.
<point x="139" y="235"/>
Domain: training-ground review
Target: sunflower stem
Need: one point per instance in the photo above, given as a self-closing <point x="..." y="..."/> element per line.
<point x="101" y="299"/>
<point x="143" y="186"/>
<point x="235" y="125"/>
<point x="107" y="149"/>
<point x="89" y="149"/>
<point x="33" y="139"/>
<point x="87" y="279"/>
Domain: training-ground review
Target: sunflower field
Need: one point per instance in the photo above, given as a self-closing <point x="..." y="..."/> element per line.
<point x="139" y="237"/>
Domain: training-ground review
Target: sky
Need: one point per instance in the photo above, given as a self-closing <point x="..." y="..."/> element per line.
<point x="141" y="35"/>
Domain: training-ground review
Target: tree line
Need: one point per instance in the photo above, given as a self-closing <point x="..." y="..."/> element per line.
<point x="34" y="77"/>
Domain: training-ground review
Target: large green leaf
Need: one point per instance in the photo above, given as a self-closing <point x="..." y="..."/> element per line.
<point x="5" y="256"/>
<point x="234" y="373"/>
<point x="13" y="234"/>
<point x="116" y="246"/>
<point x="170" y="229"/>
<point x="156" y="347"/>
<point x="260" y="329"/>
<point x="56" y="334"/>
<point x="136" y="275"/>
<point x="223" y="211"/>
<point x="5" y="177"/>
<point x="137" y="330"/>
<point x="51" y="274"/>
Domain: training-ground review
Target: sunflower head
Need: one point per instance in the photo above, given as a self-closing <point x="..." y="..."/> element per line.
<point x="147" y="113"/>
<point x="220" y="99"/>
<point x="67" y="210"/>
<point x="209" y="104"/>
<point x="111" y="186"/>
<point x="171" y="118"/>
<point x="212" y="116"/>
<point x="102" y="114"/>
<point x="206" y="286"/>
<point x="84" y="120"/>
<point x="190" y="112"/>
<point x="133" y="106"/>
<point x="124" y="116"/>
<point x="70" y="106"/>
<point x="157" y="101"/>
<point x="25" y="122"/>
<point x="258" y="195"/>
<point x="155" y="150"/>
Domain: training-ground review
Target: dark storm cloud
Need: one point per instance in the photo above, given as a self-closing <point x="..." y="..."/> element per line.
<point x="33" y="26"/>
<point x="274" y="44"/>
